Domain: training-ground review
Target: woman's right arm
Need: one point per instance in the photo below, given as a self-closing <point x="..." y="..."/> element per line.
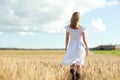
<point x="66" y="40"/>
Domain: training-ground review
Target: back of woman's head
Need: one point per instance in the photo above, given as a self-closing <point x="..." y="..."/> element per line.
<point x="75" y="20"/>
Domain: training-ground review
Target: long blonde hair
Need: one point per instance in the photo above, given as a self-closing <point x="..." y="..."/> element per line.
<point x="75" y="20"/>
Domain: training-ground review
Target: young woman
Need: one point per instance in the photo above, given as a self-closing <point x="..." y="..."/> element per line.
<point x="76" y="49"/>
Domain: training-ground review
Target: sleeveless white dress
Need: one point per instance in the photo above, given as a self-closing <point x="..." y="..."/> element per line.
<point x="76" y="50"/>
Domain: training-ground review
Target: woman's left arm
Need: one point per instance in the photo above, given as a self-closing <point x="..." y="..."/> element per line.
<point x="84" y="40"/>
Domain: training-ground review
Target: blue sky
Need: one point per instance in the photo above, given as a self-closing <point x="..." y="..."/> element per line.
<point x="40" y="24"/>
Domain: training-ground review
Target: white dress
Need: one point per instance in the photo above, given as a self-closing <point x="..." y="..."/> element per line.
<point x="76" y="50"/>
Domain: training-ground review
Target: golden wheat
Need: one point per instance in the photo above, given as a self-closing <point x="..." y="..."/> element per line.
<point x="45" y="65"/>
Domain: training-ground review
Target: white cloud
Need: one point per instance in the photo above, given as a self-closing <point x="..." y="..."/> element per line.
<point x="25" y="33"/>
<point x="1" y="33"/>
<point x="112" y="3"/>
<point x="41" y="15"/>
<point x="98" y="24"/>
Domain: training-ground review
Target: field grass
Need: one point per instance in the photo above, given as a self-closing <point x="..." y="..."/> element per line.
<point x="45" y="65"/>
<point x="113" y="52"/>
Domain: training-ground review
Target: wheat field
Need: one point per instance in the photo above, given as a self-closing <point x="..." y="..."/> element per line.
<point x="45" y="65"/>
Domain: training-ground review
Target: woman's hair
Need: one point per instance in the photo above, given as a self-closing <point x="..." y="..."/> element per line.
<point x="75" y="20"/>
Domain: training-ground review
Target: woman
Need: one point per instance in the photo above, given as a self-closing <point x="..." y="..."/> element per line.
<point x="74" y="46"/>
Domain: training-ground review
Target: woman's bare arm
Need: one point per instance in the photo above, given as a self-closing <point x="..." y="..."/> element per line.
<point x="66" y="40"/>
<point x="84" y="40"/>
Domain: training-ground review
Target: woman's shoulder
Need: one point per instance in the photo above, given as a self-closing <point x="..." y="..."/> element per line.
<point x="82" y="28"/>
<point x="67" y="26"/>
